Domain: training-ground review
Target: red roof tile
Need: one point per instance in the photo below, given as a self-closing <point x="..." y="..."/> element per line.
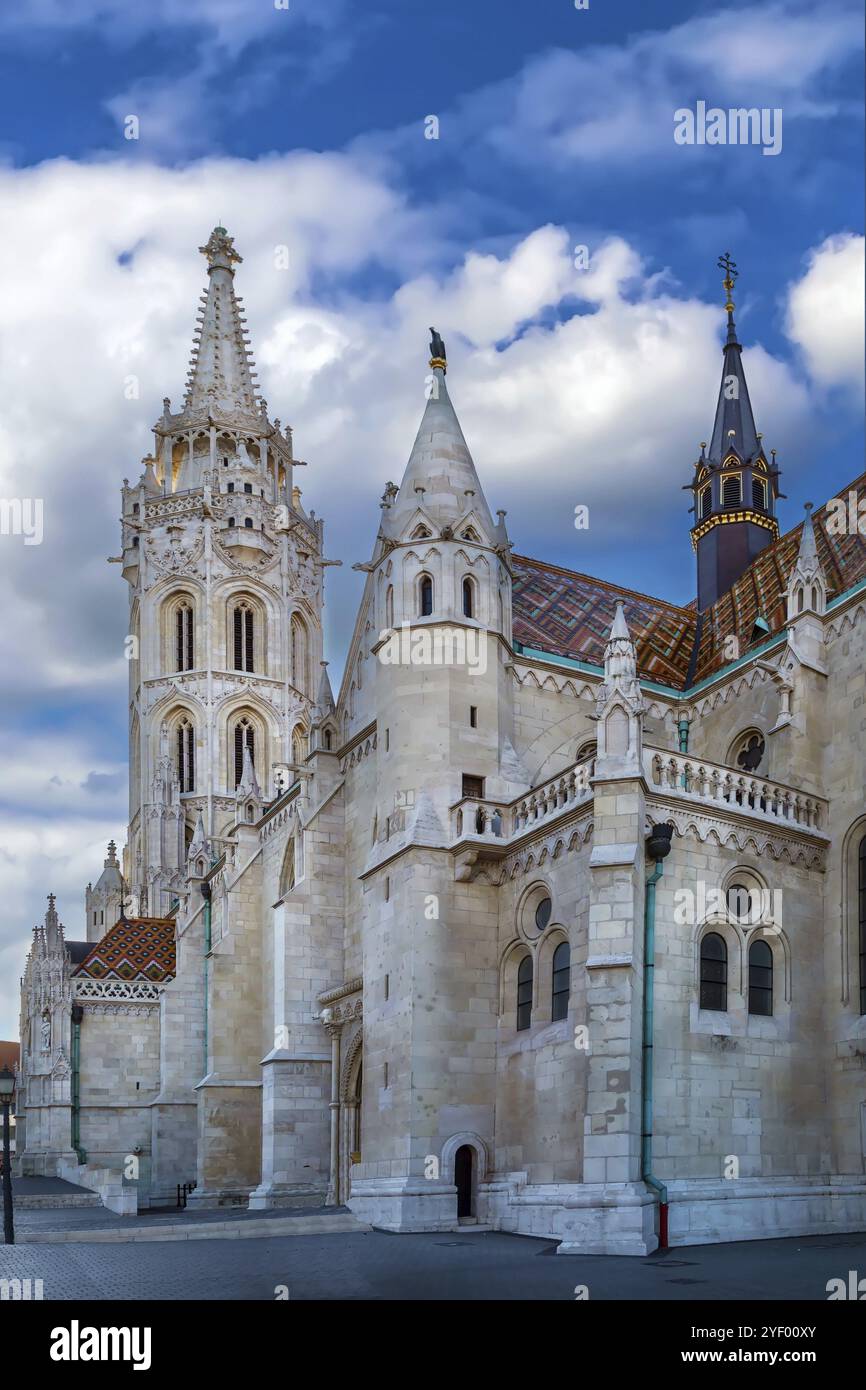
<point x="141" y="948"/>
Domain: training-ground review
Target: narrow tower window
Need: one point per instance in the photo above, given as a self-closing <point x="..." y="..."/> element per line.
<point x="706" y="502"/>
<point x="186" y="756"/>
<point x="244" y="634"/>
<point x="184" y="637"/>
<point x="759" y="494"/>
<point x="760" y="979"/>
<point x="468" y="597"/>
<point x="244" y="737"/>
<point x="731" y="491"/>
<point x="425" y="596"/>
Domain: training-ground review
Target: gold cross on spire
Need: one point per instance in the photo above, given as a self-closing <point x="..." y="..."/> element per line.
<point x="730" y="268"/>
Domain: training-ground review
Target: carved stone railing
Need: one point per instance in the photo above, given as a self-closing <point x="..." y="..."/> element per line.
<point x="491" y="821"/>
<point x="122" y="991"/>
<point x="713" y="784"/>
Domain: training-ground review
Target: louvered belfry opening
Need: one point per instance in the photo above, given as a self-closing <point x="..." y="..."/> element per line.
<point x="184" y="637"/>
<point x="244" y="738"/>
<point x="186" y="756"/>
<point x="244" y="632"/>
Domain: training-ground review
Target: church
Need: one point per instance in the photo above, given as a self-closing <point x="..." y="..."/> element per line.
<point x="550" y="919"/>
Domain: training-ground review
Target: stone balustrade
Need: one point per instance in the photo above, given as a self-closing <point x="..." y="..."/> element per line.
<point x="684" y="775"/>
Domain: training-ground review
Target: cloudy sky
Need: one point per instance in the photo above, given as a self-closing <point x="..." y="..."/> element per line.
<point x="304" y="126"/>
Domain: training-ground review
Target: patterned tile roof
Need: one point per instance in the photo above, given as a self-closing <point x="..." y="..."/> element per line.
<point x="570" y="614"/>
<point x="141" y="948"/>
<point x="761" y="591"/>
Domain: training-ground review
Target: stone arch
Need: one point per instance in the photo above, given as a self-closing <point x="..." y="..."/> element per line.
<point x="850" y="914"/>
<point x="352" y="1060"/>
<point x="454" y="1142"/>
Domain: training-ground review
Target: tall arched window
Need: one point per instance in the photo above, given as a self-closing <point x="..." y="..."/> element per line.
<point x="468" y="599"/>
<point x="561" y="981"/>
<point x="760" y="979"/>
<point x="184" y="634"/>
<point x="862" y="905"/>
<point x="243" y="636"/>
<point x="425" y="596"/>
<point x="389" y="606"/>
<point x="299" y="655"/>
<point x="714" y="972"/>
<point x="186" y="755"/>
<point x="524" y="993"/>
<point x="299" y="744"/>
<point x="244" y="737"/>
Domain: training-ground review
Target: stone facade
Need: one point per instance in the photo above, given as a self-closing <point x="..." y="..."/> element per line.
<point x="374" y="894"/>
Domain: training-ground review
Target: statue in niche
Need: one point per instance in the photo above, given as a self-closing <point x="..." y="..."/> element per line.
<point x="46" y="1032"/>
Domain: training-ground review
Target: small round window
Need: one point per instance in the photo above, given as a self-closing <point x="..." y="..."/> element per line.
<point x="542" y="913"/>
<point x="739" y="902"/>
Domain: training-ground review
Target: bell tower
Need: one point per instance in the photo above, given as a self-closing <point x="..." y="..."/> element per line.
<point x="734" y="486"/>
<point x="224" y="568"/>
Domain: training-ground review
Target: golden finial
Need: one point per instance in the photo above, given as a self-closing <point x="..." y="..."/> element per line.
<point x="730" y="268"/>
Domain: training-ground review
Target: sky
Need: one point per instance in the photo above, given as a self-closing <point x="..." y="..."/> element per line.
<point x="579" y="378"/>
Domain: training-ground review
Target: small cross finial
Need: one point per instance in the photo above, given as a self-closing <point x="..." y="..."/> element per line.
<point x="731" y="273"/>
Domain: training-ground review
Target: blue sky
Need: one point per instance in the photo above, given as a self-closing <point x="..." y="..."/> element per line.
<point x="305" y="126"/>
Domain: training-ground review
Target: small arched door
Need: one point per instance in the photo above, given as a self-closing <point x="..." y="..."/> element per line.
<point x="463" y="1160"/>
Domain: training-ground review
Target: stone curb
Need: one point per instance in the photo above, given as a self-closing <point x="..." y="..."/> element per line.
<point x="216" y="1230"/>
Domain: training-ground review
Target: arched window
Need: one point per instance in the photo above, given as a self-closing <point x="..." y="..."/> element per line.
<point x="184" y="637"/>
<point x="524" y="993"/>
<point x="299" y="655"/>
<point x="561" y="981"/>
<point x="244" y="737"/>
<point x="862" y="905"/>
<point x="287" y="876"/>
<point x="243" y="636"/>
<point x="760" y="979"/>
<point x="299" y="744"/>
<point x="731" y="491"/>
<point x="389" y="607"/>
<point x="186" y="755"/>
<point x="425" y="596"/>
<point x="468" y="599"/>
<point x="714" y="972"/>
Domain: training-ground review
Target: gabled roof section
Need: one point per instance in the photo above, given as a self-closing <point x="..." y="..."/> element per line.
<point x="571" y="614"/>
<point x="140" y="948"/>
<point x="762" y="589"/>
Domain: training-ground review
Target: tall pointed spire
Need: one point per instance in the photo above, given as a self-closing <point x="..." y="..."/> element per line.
<point x="734" y="427"/>
<point x="222" y="372"/>
<point x="734" y="486"/>
<point x="440" y="476"/>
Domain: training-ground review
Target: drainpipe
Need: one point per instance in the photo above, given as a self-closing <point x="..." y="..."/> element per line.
<point x="77" y="1015"/>
<point x="205" y="892"/>
<point x="658" y="847"/>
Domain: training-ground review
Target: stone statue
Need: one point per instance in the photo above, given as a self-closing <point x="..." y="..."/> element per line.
<point x="437" y="346"/>
<point x="46" y="1033"/>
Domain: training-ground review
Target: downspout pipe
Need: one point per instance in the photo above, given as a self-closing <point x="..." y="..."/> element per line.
<point x="683" y="731"/>
<point x="77" y="1016"/>
<point x="206" y="894"/>
<point x="658" y="848"/>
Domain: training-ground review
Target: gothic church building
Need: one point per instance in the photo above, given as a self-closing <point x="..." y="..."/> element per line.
<point x="551" y="919"/>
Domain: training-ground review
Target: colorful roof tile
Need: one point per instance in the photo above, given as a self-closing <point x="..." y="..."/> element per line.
<point x="140" y="948"/>
<point x="569" y="614"/>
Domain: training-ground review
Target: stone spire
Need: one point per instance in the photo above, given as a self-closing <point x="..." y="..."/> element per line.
<point x="619" y="706"/>
<point x="221" y="376"/>
<point x="248" y="785"/>
<point x="325" y="696"/>
<point x="440" y="476"/>
<point x="807" y="583"/>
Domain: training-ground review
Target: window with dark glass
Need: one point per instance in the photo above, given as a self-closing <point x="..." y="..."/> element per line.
<point x="184" y="638"/>
<point x="714" y="972"/>
<point x="186" y="756"/>
<point x="542" y="913"/>
<point x="760" y="979"/>
<point x="524" y="993"/>
<point x="425" y="595"/>
<point x="739" y="902"/>
<point x="561" y="981"/>
<point x="467" y="598"/>
<point x="244" y="738"/>
<point x="244" y="632"/>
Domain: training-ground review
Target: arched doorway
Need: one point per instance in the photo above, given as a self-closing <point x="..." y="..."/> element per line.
<point x="464" y="1160"/>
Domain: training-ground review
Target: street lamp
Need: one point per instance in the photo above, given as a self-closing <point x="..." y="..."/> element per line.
<point x="7" y="1094"/>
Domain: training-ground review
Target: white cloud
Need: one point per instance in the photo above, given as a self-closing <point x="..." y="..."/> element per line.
<point x="825" y="315"/>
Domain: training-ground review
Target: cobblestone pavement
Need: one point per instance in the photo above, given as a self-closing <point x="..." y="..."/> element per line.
<point x="378" y="1266"/>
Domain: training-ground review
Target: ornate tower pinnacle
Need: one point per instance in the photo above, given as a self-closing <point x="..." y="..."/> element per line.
<point x="734" y="485"/>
